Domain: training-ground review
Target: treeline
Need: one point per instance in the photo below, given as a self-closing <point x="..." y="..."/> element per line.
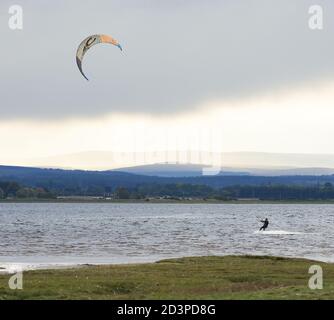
<point x="79" y="182"/>
<point x="280" y="192"/>
<point x="265" y="192"/>
<point x="177" y="190"/>
<point x="11" y="189"/>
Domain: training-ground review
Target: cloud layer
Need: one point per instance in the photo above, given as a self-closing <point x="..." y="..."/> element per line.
<point x="177" y="55"/>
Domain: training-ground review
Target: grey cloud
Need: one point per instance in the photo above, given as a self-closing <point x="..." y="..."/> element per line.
<point x="177" y="54"/>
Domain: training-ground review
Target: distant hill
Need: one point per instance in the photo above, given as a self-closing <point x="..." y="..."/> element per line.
<point x="174" y="170"/>
<point x="195" y="170"/>
<point x="273" y="171"/>
<point x="81" y="182"/>
<point x="230" y="161"/>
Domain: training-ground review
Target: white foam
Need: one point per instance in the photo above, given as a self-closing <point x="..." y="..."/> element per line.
<point x="11" y="265"/>
<point x="9" y="268"/>
<point x="278" y="232"/>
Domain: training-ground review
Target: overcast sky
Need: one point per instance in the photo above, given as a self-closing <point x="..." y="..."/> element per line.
<point x="252" y="68"/>
<point x="177" y="54"/>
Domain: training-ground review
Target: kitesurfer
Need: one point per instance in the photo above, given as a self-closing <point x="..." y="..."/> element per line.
<point x="265" y="224"/>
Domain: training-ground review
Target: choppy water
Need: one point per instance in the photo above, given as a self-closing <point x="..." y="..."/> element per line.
<point x="37" y="234"/>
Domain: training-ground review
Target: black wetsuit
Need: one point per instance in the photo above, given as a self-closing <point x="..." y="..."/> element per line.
<point x="265" y="224"/>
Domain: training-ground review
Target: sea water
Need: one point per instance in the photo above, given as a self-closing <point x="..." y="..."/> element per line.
<point x="37" y="235"/>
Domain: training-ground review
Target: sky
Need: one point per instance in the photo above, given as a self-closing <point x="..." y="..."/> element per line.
<point x="220" y="76"/>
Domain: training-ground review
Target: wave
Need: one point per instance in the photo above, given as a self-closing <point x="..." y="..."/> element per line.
<point x="278" y="232"/>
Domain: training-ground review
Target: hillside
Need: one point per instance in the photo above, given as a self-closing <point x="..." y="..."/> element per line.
<point x="79" y="181"/>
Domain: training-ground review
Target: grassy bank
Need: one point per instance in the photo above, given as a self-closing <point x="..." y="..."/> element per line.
<point x="187" y="278"/>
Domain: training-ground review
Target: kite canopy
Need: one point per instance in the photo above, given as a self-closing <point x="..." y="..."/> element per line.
<point x="89" y="42"/>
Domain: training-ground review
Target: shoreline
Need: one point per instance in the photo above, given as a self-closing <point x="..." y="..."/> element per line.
<point x="155" y="201"/>
<point x="20" y="266"/>
<point x="208" y="277"/>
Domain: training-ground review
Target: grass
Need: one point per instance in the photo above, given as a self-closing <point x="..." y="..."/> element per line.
<point x="231" y="277"/>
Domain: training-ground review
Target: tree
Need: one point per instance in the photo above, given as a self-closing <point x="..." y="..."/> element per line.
<point x="22" y="193"/>
<point x="9" y="188"/>
<point x="328" y="185"/>
<point x="122" y="193"/>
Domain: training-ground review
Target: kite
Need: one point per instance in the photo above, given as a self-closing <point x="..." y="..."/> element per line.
<point x="89" y="42"/>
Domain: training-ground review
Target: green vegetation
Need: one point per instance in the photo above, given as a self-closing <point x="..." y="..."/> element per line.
<point x="231" y="277"/>
<point x="173" y="192"/>
<point x="11" y="189"/>
<point x="268" y="192"/>
<point x="122" y="193"/>
<point x="281" y="192"/>
<point x="104" y="183"/>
